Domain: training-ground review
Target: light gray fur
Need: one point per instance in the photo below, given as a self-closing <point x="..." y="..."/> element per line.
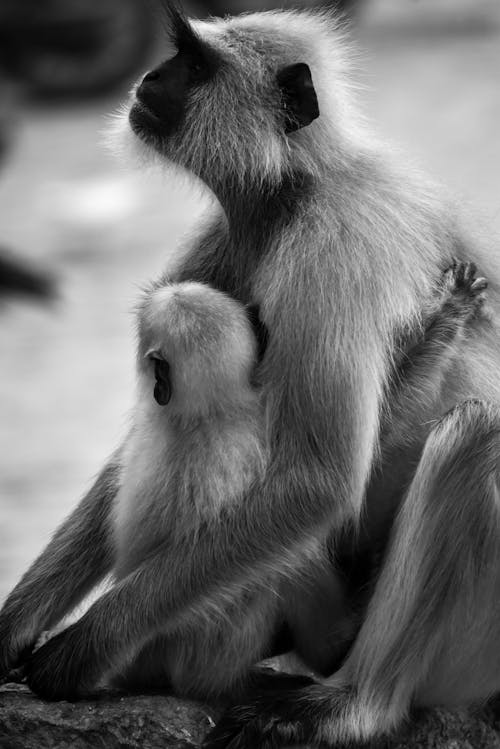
<point x="342" y="249"/>
<point x="185" y="464"/>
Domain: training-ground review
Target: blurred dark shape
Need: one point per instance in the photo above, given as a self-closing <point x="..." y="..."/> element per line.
<point x="21" y="278"/>
<point x="7" y="117"/>
<point x="73" y="48"/>
<point x="18" y="277"/>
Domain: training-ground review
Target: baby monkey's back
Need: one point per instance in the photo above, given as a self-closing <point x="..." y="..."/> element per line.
<point x="197" y="441"/>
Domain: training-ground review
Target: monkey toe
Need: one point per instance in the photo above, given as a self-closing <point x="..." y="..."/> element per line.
<point x="480" y="284"/>
<point x="467" y="273"/>
<point x="273" y="719"/>
<point x="264" y="681"/>
<point x="264" y="732"/>
<point x="466" y="281"/>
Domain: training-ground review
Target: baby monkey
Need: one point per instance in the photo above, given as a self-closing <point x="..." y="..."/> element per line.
<point x="196" y="444"/>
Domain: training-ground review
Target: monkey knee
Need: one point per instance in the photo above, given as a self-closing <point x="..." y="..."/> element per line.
<point x="466" y="438"/>
<point x="458" y="476"/>
<point x="476" y="414"/>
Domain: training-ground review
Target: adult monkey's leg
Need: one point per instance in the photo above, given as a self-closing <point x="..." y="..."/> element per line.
<point x="431" y="634"/>
<point x="76" y="559"/>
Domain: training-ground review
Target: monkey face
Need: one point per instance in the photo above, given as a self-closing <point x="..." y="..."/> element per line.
<point x="225" y="103"/>
<point x="161" y="98"/>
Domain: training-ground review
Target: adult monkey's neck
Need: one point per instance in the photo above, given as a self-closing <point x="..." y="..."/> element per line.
<point x="251" y="224"/>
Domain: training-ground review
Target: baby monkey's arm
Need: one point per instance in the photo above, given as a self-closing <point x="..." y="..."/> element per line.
<point x="78" y="556"/>
<point x="415" y="399"/>
<point x="425" y="361"/>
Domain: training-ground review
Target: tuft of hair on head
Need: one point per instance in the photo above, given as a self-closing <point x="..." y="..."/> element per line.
<point x="176" y="25"/>
<point x="207" y="340"/>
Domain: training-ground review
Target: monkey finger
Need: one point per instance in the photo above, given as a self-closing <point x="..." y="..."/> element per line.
<point x="13" y="655"/>
<point x="469" y="272"/>
<point x="63" y="668"/>
<point x="480" y="284"/>
<point x="460" y="273"/>
<point x="451" y="269"/>
<point x="15" y="676"/>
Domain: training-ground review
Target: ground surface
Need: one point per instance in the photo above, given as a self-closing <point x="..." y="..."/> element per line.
<point x="67" y="372"/>
<point x="162" y="722"/>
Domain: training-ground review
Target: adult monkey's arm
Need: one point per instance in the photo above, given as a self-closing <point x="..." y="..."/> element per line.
<point x="76" y="559"/>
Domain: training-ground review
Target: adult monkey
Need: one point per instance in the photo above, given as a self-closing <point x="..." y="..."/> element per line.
<point x="338" y="249"/>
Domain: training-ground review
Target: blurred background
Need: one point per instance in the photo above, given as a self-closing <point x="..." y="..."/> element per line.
<point x="80" y="232"/>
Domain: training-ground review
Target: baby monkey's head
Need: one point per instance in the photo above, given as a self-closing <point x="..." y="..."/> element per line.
<point x="196" y="349"/>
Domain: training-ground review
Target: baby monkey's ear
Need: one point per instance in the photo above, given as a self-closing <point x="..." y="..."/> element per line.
<point x="163" y="386"/>
<point x="300" y="102"/>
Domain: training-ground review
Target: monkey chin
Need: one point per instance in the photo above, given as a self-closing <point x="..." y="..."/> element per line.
<point x="132" y="138"/>
<point x="130" y="143"/>
<point x="145" y="124"/>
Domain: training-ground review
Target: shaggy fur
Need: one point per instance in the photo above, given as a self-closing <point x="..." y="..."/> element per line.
<point x="184" y="464"/>
<point x="343" y="252"/>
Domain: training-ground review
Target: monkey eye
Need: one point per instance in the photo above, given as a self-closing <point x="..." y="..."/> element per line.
<point x="197" y="69"/>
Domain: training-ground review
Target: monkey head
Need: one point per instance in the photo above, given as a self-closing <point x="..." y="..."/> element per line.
<point x="234" y="99"/>
<point x="197" y="349"/>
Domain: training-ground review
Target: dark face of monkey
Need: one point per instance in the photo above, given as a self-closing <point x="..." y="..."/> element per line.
<point x="162" y="96"/>
<point x="224" y="104"/>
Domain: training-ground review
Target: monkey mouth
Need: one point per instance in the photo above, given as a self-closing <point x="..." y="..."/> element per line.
<point x="143" y="121"/>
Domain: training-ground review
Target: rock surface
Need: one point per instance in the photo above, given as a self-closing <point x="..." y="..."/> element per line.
<point x="161" y="722"/>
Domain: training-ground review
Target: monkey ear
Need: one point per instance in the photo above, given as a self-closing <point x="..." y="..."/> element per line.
<point x="299" y="97"/>
<point x="163" y="385"/>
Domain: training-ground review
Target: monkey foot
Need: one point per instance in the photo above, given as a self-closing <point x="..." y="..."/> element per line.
<point x="283" y="710"/>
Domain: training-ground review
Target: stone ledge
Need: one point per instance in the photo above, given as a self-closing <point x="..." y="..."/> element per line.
<point x="162" y="722"/>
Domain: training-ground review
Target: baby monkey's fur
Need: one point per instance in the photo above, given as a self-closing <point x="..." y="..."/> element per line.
<point x="343" y="252"/>
<point x="187" y="461"/>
